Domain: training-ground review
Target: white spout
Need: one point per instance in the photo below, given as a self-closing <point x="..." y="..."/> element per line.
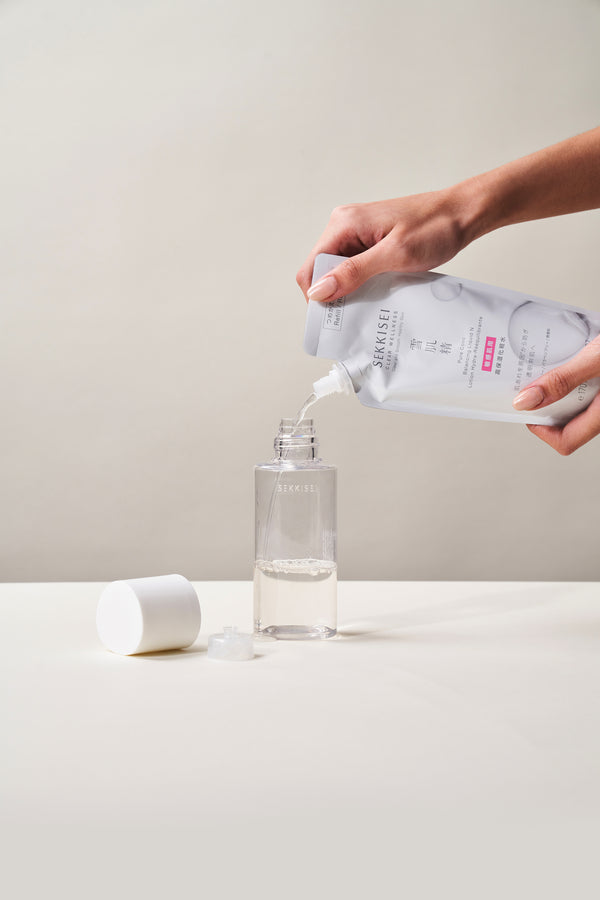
<point x="338" y="381"/>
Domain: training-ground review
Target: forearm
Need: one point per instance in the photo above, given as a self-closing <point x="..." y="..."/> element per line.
<point x="561" y="179"/>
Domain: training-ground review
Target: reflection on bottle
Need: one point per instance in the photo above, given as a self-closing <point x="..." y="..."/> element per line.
<point x="553" y="335"/>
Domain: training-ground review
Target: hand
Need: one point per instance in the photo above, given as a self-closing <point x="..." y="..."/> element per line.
<point x="420" y="232"/>
<point x="556" y="384"/>
<point x="410" y="234"/>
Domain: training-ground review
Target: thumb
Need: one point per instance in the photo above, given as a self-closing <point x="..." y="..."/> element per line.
<point x="559" y="382"/>
<point x="351" y="273"/>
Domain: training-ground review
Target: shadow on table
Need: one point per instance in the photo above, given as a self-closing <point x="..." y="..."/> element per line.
<point x="186" y="653"/>
<point x="172" y="654"/>
<point x="467" y="609"/>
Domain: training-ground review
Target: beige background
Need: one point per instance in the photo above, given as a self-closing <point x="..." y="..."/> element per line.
<point x="166" y="167"/>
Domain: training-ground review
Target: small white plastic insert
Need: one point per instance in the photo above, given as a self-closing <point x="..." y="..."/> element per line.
<point x="338" y="381"/>
<point x="231" y="645"/>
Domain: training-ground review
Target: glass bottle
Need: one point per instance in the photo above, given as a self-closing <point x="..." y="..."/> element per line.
<point x="295" y="571"/>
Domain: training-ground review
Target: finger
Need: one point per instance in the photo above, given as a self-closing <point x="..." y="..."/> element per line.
<point x="336" y="239"/>
<point x="570" y="437"/>
<point x="353" y="272"/>
<point x="561" y="381"/>
<point x="304" y="276"/>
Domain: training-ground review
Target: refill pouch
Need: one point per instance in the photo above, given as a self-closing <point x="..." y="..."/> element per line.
<point x="433" y="343"/>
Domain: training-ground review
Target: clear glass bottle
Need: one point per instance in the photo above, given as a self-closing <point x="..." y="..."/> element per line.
<point x="295" y="571"/>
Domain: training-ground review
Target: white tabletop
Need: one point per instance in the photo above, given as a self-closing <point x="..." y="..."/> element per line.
<point x="456" y="703"/>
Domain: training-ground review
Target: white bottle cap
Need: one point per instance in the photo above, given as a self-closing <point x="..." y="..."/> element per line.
<point x="148" y="614"/>
<point x="338" y="381"/>
<point x="231" y="645"/>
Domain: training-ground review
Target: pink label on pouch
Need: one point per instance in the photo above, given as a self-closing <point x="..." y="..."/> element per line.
<point x="488" y="354"/>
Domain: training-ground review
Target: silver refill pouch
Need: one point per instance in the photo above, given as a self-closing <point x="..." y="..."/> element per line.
<point x="437" y="344"/>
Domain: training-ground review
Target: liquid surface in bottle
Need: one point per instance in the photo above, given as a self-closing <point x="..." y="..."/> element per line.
<point x="295" y="598"/>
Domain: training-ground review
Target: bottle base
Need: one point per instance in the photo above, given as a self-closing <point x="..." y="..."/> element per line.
<point x="297" y="632"/>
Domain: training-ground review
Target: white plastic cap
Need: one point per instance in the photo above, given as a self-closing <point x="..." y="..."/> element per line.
<point x="231" y="645"/>
<point x="338" y="381"/>
<point x="148" y="614"/>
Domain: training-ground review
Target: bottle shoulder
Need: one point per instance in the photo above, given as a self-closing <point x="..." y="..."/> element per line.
<point x="278" y="465"/>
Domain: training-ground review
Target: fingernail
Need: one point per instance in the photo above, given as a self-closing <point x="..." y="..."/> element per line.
<point x="530" y="398"/>
<point x="323" y="289"/>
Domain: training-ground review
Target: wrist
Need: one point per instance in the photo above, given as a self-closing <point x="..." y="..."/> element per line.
<point x="476" y="208"/>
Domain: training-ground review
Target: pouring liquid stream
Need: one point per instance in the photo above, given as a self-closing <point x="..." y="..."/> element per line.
<point x="312" y="398"/>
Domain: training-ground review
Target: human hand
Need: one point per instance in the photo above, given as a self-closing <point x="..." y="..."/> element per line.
<point x="556" y="384"/>
<point x="420" y="232"/>
<point x="409" y="234"/>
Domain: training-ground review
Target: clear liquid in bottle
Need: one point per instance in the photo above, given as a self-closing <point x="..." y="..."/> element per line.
<point x="298" y="597"/>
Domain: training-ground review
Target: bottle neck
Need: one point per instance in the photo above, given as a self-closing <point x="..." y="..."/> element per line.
<point x="296" y="441"/>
